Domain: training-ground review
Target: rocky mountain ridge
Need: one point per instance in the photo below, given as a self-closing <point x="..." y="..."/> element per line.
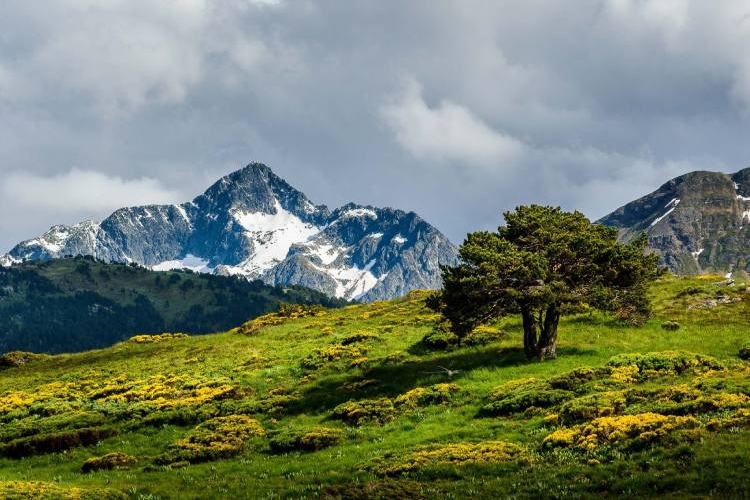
<point x="253" y="223"/>
<point x="698" y="222"/>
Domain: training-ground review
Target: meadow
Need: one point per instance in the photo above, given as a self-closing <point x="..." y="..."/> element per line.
<point x="352" y="403"/>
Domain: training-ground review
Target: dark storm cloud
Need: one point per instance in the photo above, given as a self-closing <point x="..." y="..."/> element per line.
<point x="457" y="110"/>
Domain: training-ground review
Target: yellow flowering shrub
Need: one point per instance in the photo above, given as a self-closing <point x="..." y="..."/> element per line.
<point x="456" y="454"/>
<point x="19" y="358"/>
<point x="19" y="490"/>
<point x="305" y="440"/>
<point x="666" y="362"/>
<point x="109" y="461"/>
<point x="738" y="419"/>
<point x="218" y="438"/>
<point x="626" y="374"/>
<point x="625" y="429"/>
<point x="162" y="392"/>
<point x="367" y="410"/>
<point x="423" y="396"/>
<point x="331" y="354"/>
<point x="587" y="407"/>
<point x="16" y="400"/>
<point x="155" y="339"/>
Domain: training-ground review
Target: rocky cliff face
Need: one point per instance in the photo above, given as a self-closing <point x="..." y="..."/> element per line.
<point x="698" y="222"/>
<point x="253" y="223"/>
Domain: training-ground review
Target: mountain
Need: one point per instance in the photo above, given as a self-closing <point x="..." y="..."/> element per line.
<point x="254" y="224"/>
<point x="697" y="222"/>
<point x="67" y="305"/>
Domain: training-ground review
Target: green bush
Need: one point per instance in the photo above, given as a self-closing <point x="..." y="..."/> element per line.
<point x="376" y="490"/>
<point x="575" y="379"/>
<point x="439" y="339"/>
<point x="218" y="438"/>
<point x="676" y="362"/>
<point x="305" y="440"/>
<point x="425" y="396"/>
<point x="670" y="326"/>
<point x="359" y="337"/>
<point x="329" y="355"/>
<point x="519" y="396"/>
<point x="602" y="404"/>
<point x="482" y="335"/>
<point x="56" y="441"/>
<point x="14" y="359"/>
<point x="368" y="410"/>
<point x="110" y="461"/>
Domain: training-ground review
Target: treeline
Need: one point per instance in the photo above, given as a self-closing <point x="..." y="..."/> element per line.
<point x="75" y="304"/>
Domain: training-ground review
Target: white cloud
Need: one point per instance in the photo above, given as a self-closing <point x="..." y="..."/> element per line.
<point x="448" y="132"/>
<point x="79" y="191"/>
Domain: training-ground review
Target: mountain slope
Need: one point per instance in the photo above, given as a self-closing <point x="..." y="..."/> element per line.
<point x="78" y="304"/>
<point x="698" y="222"/>
<point x="253" y="223"/>
<point x="349" y="404"/>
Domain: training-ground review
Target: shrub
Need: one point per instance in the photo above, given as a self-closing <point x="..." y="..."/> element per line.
<point x="294" y="311"/>
<point x="744" y="352"/>
<point x="518" y="396"/>
<point x="155" y="339"/>
<point x="670" y="326"/>
<point x="55" y="441"/>
<point x="456" y="454"/>
<point x="273" y="405"/>
<point x="110" y="461"/>
<point x="331" y="354"/>
<point x="482" y="335"/>
<point x="376" y="490"/>
<point x="359" y="337"/>
<point x="626" y="374"/>
<point x="220" y="437"/>
<point x="305" y="440"/>
<point x="626" y="430"/>
<point x="424" y="396"/>
<point x="601" y="404"/>
<point x="573" y="380"/>
<point x="257" y="324"/>
<point x="674" y="362"/>
<point x="367" y="410"/>
<point x="14" y="359"/>
<point x="439" y="339"/>
<point x="18" y="490"/>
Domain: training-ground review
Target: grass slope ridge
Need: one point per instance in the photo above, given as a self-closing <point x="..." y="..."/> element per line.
<point x="76" y="304"/>
<point x="350" y="403"/>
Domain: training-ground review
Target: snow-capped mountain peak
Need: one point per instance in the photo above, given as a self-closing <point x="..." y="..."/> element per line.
<point x="253" y="223"/>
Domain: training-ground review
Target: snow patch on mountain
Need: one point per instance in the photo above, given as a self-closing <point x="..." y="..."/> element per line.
<point x="673" y="204"/>
<point x="190" y="261"/>
<point x="271" y="237"/>
<point x="358" y="212"/>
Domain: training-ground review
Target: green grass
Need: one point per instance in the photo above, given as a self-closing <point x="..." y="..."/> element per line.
<point x="264" y="370"/>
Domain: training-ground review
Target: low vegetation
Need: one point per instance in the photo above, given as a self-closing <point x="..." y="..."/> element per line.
<point x="351" y="403"/>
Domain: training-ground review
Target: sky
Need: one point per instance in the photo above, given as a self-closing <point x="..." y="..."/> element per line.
<point x="458" y="110"/>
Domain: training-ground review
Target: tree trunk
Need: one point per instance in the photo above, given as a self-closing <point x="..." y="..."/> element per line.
<point x="529" y="333"/>
<point x="546" y="347"/>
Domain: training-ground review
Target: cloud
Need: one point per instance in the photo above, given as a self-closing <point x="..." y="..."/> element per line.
<point x="82" y="191"/>
<point x="508" y="102"/>
<point x="447" y="133"/>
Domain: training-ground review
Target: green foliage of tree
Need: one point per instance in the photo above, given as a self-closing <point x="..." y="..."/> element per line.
<point x="542" y="259"/>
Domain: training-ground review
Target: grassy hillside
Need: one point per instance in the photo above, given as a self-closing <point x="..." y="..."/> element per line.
<point x="349" y="403"/>
<point x="76" y="304"/>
